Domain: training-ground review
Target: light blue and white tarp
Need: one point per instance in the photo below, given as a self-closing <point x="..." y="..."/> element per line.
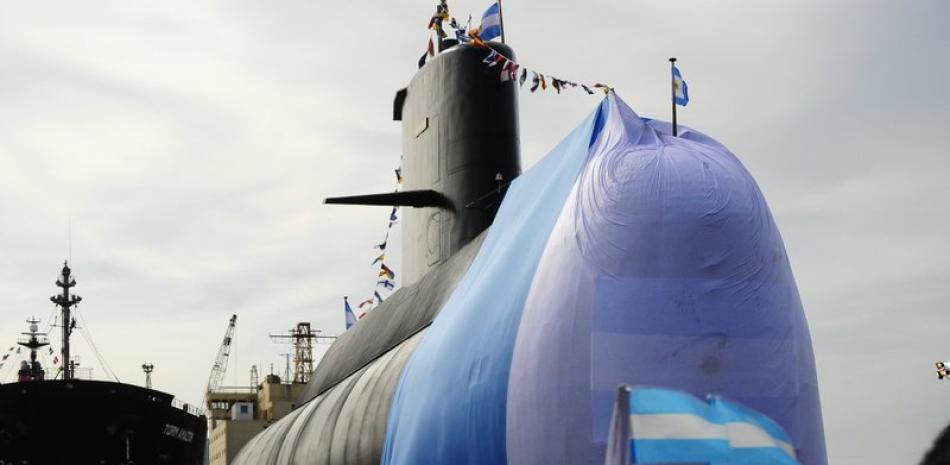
<point x="625" y="256"/>
<point x="663" y="426"/>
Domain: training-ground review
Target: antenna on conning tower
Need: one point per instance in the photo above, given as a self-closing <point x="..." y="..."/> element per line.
<point x="302" y="338"/>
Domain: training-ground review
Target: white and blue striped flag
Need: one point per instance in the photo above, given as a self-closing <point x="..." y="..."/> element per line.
<point x="491" y="23"/>
<point x="680" y="89"/>
<point x="667" y="426"/>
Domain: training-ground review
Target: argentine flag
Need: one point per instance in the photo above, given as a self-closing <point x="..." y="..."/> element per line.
<point x="667" y="426"/>
<point x="491" y="23"/>
<point x="680" y="89"/>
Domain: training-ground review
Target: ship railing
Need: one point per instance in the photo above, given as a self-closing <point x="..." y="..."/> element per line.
<point x="192" y="409"/>
<point x="236" y="389"/>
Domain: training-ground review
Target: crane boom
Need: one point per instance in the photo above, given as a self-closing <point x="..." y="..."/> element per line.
<point x="221" y="361"/>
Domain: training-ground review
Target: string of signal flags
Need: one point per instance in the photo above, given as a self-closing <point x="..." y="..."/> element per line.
<point x="386" y="277"/>
<point x="493" y="27"/>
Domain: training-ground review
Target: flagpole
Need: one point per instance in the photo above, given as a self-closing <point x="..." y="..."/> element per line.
<point x="501" y="22"/>
<point x="673" y="92"/>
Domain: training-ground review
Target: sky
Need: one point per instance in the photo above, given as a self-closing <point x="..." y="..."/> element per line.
<point x="179" y="153"/>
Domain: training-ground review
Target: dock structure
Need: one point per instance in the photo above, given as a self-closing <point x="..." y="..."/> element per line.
<point x="238" y="413"/>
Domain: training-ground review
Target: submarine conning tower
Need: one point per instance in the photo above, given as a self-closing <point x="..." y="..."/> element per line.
<point x="460" y="146"/>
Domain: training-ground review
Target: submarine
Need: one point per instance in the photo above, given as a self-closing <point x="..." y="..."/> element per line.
<point x="627" y="255"/>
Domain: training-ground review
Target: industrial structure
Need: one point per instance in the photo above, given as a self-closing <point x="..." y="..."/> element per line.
<point x="237" y="413"/>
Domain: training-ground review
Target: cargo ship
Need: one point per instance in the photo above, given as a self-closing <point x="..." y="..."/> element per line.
<point x="58" y="419"/>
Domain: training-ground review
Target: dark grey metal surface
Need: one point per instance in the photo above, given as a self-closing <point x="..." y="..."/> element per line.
<point x="459" y="130"/>
<point x="346" y="425"/>
<point x="403" y="314"/>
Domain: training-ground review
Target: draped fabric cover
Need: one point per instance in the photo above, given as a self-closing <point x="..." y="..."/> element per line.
<point x="450" y="404"/>
<point x="626" y="256"/>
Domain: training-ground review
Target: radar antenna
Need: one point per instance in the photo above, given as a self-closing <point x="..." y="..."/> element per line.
<point x="33" y="340"/>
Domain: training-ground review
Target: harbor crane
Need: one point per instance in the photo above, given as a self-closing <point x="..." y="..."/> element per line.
<point x="221" y="361"/>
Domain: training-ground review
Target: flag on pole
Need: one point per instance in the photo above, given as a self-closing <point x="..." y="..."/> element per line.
<point x="668" y="426"/>
<point x="349" y="316"/>
<point x="491" y="23"/>
<point x="680" y="89"/>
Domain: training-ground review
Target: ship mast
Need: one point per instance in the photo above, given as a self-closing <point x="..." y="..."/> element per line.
<point x="33" y="340"/>
<point x="65" y="301"/>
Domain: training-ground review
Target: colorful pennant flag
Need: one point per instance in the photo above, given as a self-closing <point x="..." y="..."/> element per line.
<point x="385" y="271"/>
<point x="379" y="298"/>
<point x="366" y="302"/>
<point x="386" y="283"/>
<point x="379" y="259"/>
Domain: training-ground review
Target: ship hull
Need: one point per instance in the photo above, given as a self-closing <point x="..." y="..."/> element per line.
<point x="96" y="422"/>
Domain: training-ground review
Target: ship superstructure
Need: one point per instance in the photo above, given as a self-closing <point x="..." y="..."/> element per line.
<point x="33" y="340"/>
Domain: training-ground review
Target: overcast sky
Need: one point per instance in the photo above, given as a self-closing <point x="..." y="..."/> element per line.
<point x="190" y="145"/>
